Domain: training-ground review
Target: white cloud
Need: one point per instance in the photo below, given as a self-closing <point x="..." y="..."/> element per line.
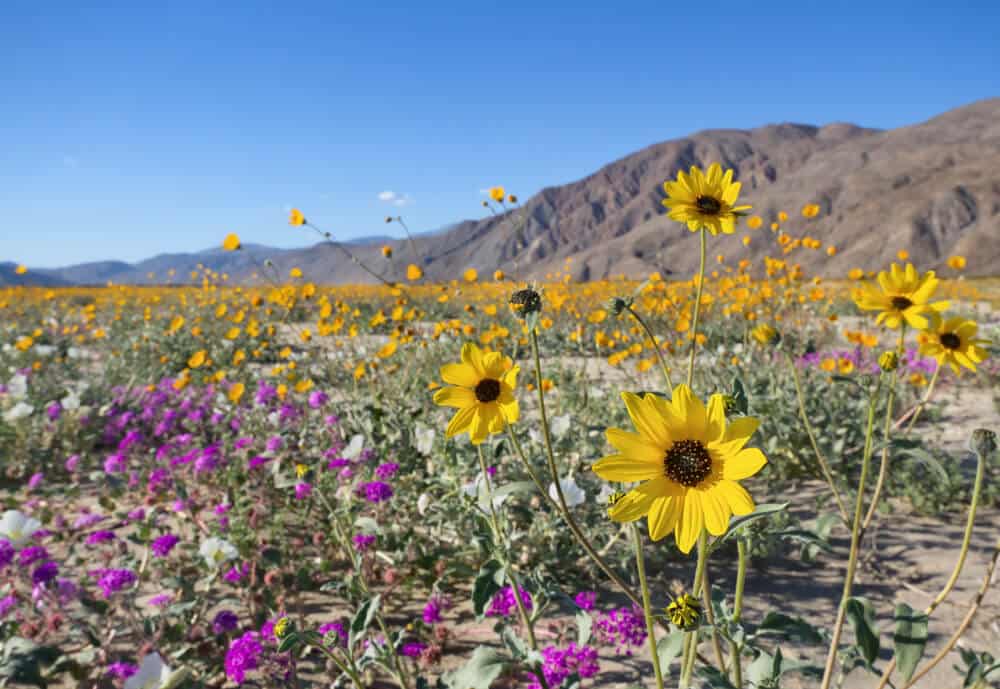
<point x="395" y="198"/>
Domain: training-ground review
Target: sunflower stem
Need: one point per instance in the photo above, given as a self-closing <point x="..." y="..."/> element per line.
<point x="656" y="347"/>
<point x="924" y="400"/>
<point x="883" y="469"/>
<point x="692" y="641"/>
<point x="852" y="560"/>
<point x="736" y="649"/>
<point x="824" y="467"/>
<point x="647" y="608"/>
<point x="697" y="308"/>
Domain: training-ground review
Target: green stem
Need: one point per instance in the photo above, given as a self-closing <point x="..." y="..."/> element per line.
<point x="883" y="469"/>
<point x="736" y="650"/>
<point x="697" y="308"/>
<point x="923" y="402"/>
<point x="977" y="488"/>
<point x="852" y="560"/>
<point x="656" y="347"/>
<point x="824" y="467"/>
<point x="647" y="606"/>
<point x="692" y="638"/>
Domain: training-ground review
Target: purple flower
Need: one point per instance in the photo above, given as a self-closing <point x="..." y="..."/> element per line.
<point x="225" y="621"/>
<point x="7" y="553"/>
<point x="31" y="555"/>
<point x="44" y="573"/>
<point x="236" y="574"/>
<point x="337" y="463"/>
<point x="6" y="603"/>
<point x="586" y="600"/>
<point x="87" y="520"/>
<point x="375" y="491"/>
<point x="363" y="542"/>
<point x="111" y="581"/>
<point x="137" y="515"/>
<point x="386" y="471"/>
<point x="274" y="443"/>
<point x="54" y="411"/>
<point x="413" y="649"/>
<point x="162" y="545"/>
<point x="243" y="655"/>
<point x="114" y="464"/>
<point x="335" y="629"/>
<point x="303" y="490"/>
<point x="161" y="600"/>
<point x="72" y="462"/>
<point x="433" y="608"/>
<point x="122" y="670"/>
<point x="504" y="603"/>
<point x="558" y="664"/>
<point x="317" y="399"/>
<point x="622" y="628"/>
<point x="257" y="461"/>
<point x="100" y="537"/>
<point x="35" y="480"/>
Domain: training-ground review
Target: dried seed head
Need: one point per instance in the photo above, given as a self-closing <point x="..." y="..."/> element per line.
<point x="983" y="442"/>
<point x="525" y="302"/>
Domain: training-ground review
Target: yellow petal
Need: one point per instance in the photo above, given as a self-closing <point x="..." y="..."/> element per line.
<point x="510" y="377"/>
<point x="741" y="428"/>
<point x="689" y="526"/>
<point x="455" y="397"/>
<point x="631" y="507"/>
<point x="716" y="512"/>
<point x="635" y="446"/>
<point x="690" y="409"/>
<point x="460" y="374"/>
<point x="663" y="516"/>
<point x="674" y="425"/>
<point x="716" y="427"/>
<point x="460" y="422"/>
<point x="736" y="496"/>
<point x="493" y="365"/>
<point x="646" y="420"/>
<point x="626" y="469"/>
<point x="744" y="464"/>
<point x="495" y="418"/>
<point x="473" y="356"/>
<point x="479" y="430"/>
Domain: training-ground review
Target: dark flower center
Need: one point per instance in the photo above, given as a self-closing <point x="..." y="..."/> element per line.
<point x="950" y="341"/>
<point x="687" y="463"/>
<point x="901" y="303"/>
<point x="487" y="390"/>
<point x="708" y="205"/>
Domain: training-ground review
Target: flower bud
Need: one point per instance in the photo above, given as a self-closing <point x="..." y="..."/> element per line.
<point x="618" y="304"/>
<point x="766" y="335"/>
<point x="888" y="361"/>
<point x="525" y="302"/>
<point x="684" y="612"/>
<point x="983" y="442"/>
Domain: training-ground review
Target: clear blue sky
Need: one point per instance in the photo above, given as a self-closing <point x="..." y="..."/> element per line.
<point x="132" y="128"/>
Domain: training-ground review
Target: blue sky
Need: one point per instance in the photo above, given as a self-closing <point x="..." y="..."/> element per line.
<point x="135" y="128"/>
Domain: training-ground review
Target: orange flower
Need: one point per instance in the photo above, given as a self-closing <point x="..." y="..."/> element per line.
<point x="295" y="218"/>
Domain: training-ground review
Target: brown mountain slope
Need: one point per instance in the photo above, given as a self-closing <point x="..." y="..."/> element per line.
<point x="932" y="189"/>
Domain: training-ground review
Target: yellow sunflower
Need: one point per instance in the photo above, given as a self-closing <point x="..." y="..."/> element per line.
<point x="482" y="389"/>
<point x="953" y="342"/>
<point x="688" y="459"/>
<point x="704" y="200"/>
<point x="902" y="294"/>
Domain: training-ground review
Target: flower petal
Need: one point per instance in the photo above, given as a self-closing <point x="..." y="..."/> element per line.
<point x="716" y="512"/>
<point x="736" y="496"/>
<point x="690" y="409"/>
<point x="689" y="526"/>
<point x="462" y="375"/>
<point x="455" y="397"/>
<point x="744" y="464"/>
<point x="716" y="427"/>
<point x="663" y="516"/>
<point x="635" y="446"/>
<point x="473" y="356"/>
<point x="631" y="507"/>
<point x="460" y="422"/>
<point x="646" y="420"/>
<point x="626" y="469"/>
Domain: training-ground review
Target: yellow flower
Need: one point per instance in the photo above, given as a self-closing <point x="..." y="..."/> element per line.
<point x="754" y="222"/>
<point x="482" y="389"/>
<point x="197" y="359"/>
<point x="387" y="350"/>
<point x="295" y="273"/>
<point x="765" y="334"/>
<point x="21" y="269"/>
<point x="470" y="275"/>
<point x="689" y="461"/>
<point x="954" y="342"/>
<point x="782" y="216"/>
<point x="684" y="612"/>
<point x="295" y="218"/>
<point x="387" y="251"/>
<point x="231" y="242"/>
<point x="236" y="391"/>
<point x="956" y="262"/>
<point x="856" y="274"/>
<point x="902" y="254"/>
<point x="414" y="272"/>
<point x="831" y="251"/>
<point x="704" y="200"/>
<point x="901" y="295"/>
<point x="497" y="194"/>
<point x="810" y="210"/>
<point x="498" y="275"/>
<point x="24" y="344"/>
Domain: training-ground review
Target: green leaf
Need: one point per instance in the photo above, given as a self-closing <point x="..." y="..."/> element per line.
<point x="288" y="642"/>
<point x="861" y="613"/>
<point x="740" y="396"/>
<point x="788" y="627"/>
<point x="488" y="582"/>
<point x="761" y="511"/>
<point x="584" y="624"/>
<point x="669" y="647"/>
<point x="909" y="639"/>
<point x="363" y="618"/>
<point x="479" y="672"/>
<point x="517" y="647"/>
<point x="765" y="670"/>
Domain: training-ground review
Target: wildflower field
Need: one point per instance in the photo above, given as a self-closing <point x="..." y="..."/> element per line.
<point x="749" y="478"/>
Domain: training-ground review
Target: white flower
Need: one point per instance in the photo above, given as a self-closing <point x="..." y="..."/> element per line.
<point x="74" y="353"/>
<point x="606" y="492"/>
<point x="571" y="491"/>
<point x="354" y="447"/>
<point x="19" y="411"/>
<point x="17" y="527"/>
<point x="153" y="674"/>
<point x="217" y="550"/>
<point x="423" y="502"/>
<point x="71" y="402"/>
<point x="44" y="350"/>
<point x="425" y="439"/>
<point x="17" y="387"/>
<point x="560" y="425"/>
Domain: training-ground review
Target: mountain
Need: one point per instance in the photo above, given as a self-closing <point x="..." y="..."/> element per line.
<point x="931" y="188"/>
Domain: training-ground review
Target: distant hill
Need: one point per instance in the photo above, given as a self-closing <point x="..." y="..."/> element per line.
<point x="932" y="189"/>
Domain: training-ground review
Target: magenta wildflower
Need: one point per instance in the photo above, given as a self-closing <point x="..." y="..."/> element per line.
<point x="162" y="545"/>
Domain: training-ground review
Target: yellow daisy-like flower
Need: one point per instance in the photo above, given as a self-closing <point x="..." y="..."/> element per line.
<point x="956" y="262"/>
<point x="482" y="389"/>
<point x="414" y="272"/>
<point x="953" y="342"/>
<point x="231" y="242"/>
<point x="497" y="194"/>
<point x="684" y="612"/>
<point x="689" y="460"/>
<point x="295" y="218"/>
<point x="704" y="199"/>
<point x="902" y="294"/>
